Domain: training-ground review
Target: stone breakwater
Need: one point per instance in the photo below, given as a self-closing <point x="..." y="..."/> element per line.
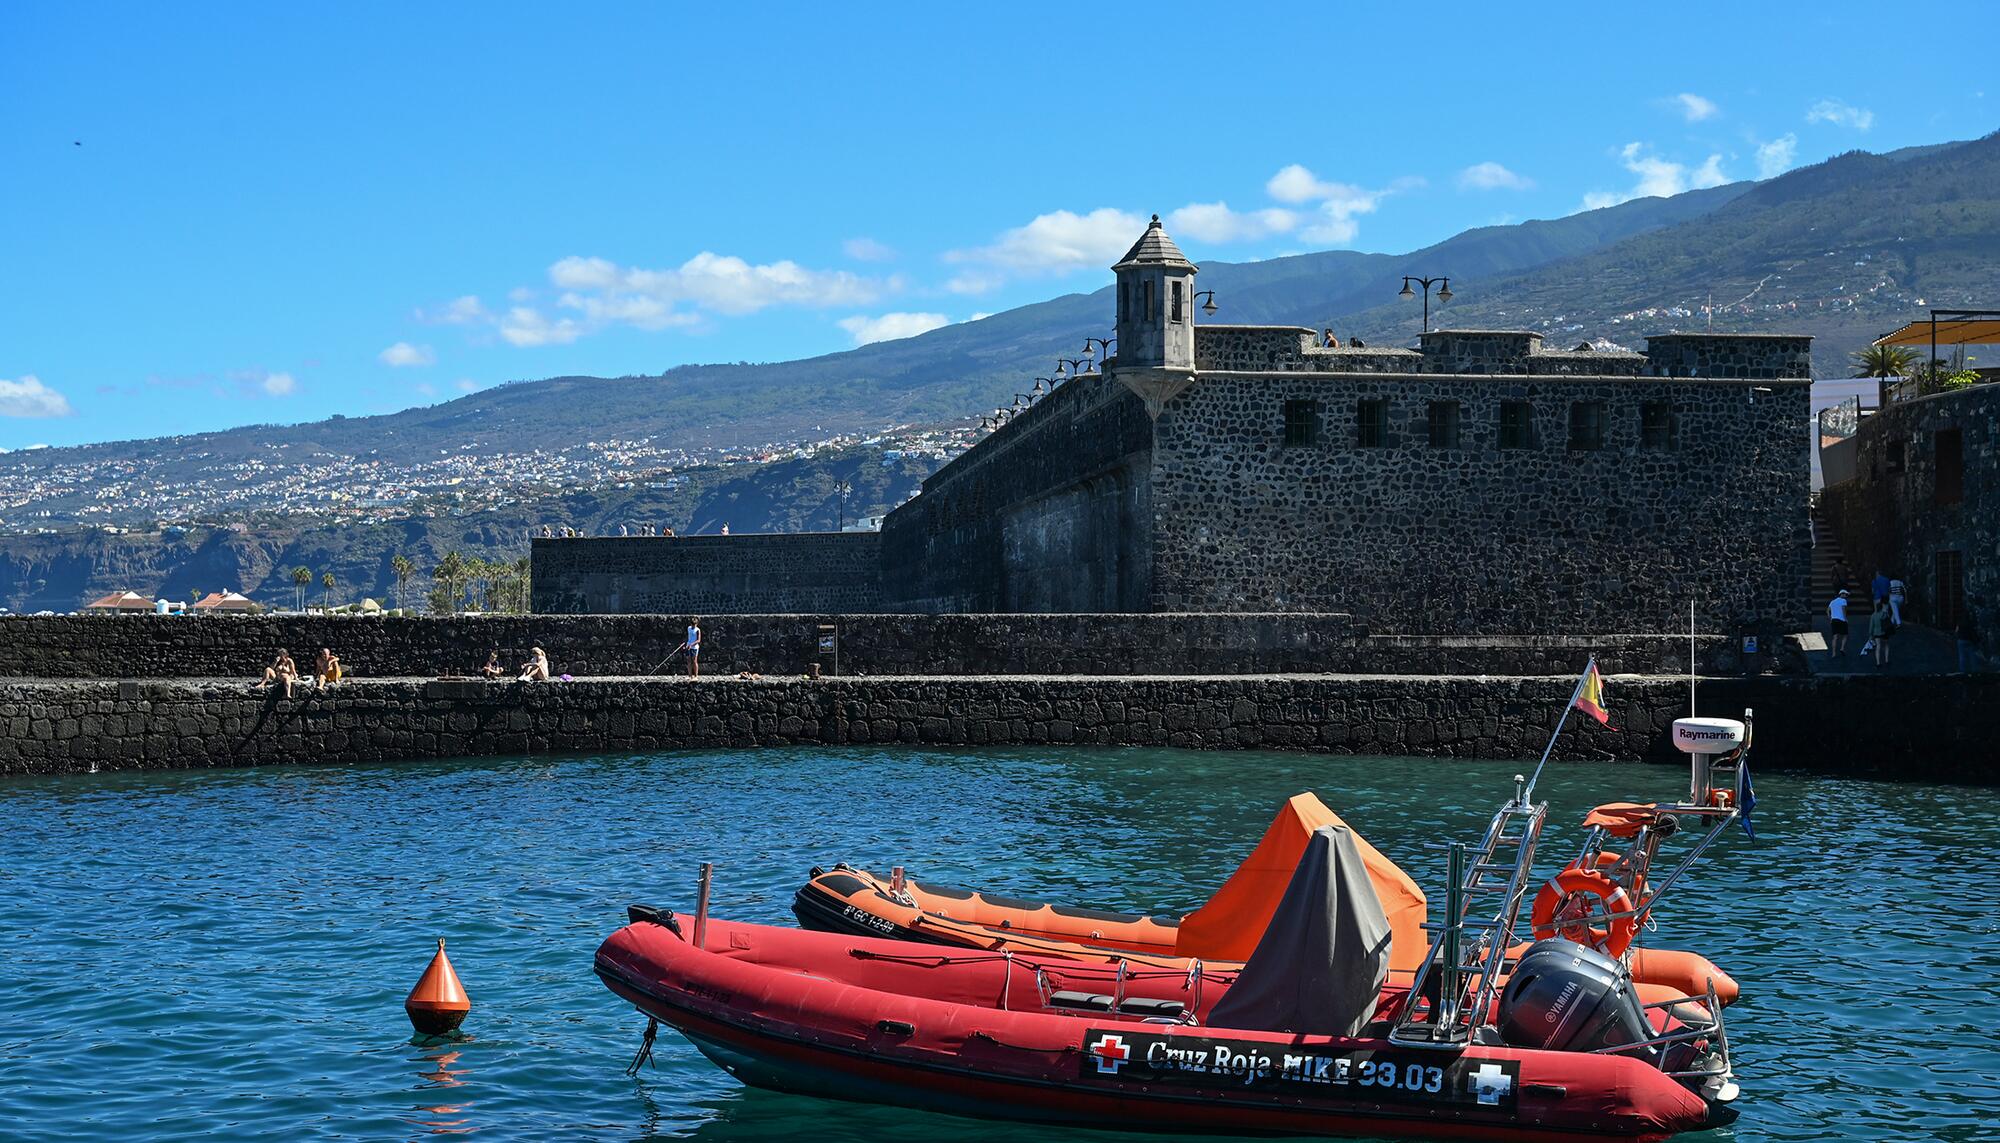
<point x="1934" y="728"/>
<point x="149" y="647"/>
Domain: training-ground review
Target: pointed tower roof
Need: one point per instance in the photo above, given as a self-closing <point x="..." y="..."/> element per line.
<point x="1154" y="248"/>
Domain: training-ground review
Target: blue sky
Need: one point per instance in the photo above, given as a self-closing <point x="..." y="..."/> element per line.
<point x="278" y="213"/>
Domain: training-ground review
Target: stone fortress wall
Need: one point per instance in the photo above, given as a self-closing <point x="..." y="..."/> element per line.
<point x="810" y="571"/>
<point x="1916" y="514"/>
<point x="237" y="647"/>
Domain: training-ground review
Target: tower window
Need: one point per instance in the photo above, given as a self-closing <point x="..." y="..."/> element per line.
<point x="1656" y="426"/>
<point x="1301" y="423"/>
<point x="1146" y="315"/>
<point x="1176" y="300"/>
<point x="1586" y="426"/>
<point x="1516" y="422"/>
<point x="1124" y="302"/>
<point x="1371" y="423"/>
<point x="1441" y="419"/>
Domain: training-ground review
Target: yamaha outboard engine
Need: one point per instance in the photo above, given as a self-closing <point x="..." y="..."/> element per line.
<point x="1566" y="997"/>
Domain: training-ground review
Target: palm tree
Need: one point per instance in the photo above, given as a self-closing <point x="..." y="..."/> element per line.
<point x="327" y="599"/>
<point x="302" y="578"/>
<point x="448" y="579"/>
<point x="401" y="567"/>
<point x="1884" y="362"/>
<point x="522" y="583"/>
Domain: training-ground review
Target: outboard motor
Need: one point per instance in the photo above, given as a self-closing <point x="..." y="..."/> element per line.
<point x="1567" y="997"/>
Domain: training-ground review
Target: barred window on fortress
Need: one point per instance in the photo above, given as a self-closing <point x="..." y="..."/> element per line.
<point x="1656" y="425"/>
<point x="1586" y="426"/>
<point x="1441" y="419"/>
<point x="1176" y="301"/>
<point x="1516" y="423"/>
<point x="1371" y="423"/>
<point x="1146" y="311"/>
<point x="1301" y="423"/>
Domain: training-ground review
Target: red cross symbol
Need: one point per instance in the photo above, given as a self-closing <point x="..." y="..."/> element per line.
<point x="1110" y="1054"/>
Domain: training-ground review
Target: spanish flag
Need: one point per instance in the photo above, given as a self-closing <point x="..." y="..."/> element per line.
<point x="1590" y="694"/>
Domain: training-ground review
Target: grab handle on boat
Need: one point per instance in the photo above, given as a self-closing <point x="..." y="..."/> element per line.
<point x="701" y="906"/>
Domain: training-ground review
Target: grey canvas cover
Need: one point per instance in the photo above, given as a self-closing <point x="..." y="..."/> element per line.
<point x="1320" y="965"/>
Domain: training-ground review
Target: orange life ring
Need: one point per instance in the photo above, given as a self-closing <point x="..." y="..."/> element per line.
<point x="1556" y="915"/>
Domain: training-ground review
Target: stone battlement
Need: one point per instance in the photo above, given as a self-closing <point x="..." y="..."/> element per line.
<point x="1485" y="352"/>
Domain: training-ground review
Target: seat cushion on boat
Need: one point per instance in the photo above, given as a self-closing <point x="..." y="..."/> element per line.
<point x="1099" y="1002"/>
<point x="1085" y="1001"/>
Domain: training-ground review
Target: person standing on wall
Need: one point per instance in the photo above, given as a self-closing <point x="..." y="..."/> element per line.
<point x="693" y="647"/>
<point x="1837" y="623"/>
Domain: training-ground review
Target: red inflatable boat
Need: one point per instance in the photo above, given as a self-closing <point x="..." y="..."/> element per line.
<point x="1008" y="1035"/>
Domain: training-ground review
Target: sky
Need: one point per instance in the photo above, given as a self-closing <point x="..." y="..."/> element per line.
<point x="220" y="215"/>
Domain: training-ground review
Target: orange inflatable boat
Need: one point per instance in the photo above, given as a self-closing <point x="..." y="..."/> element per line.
<point x="1220" y="935"/>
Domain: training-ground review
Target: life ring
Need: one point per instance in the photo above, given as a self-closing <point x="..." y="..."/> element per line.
<point x="1608" y="862"/>
<point x="1556" y="897"/>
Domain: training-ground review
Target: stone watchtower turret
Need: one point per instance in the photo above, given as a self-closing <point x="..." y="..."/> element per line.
<point x="1155" y="319"/>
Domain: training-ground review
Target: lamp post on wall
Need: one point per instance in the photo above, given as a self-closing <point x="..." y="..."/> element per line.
<point x="1090" y="347"/>
<point x="842" y="488"/>
<point x="1208" y="307"/>
<point x="1444" y="293"/>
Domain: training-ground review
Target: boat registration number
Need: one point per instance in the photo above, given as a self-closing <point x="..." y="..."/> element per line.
<point x="1124" y="1055"/>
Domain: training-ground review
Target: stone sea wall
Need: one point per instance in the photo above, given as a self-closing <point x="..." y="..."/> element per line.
<point x="142" y="647"/>
<point x="1928" y="728"/>
<point x="806" y="571"/>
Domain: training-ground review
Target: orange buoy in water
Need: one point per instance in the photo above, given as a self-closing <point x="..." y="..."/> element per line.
<point x="438" y="1003"/>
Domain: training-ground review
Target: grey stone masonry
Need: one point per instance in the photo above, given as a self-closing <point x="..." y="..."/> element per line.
<point x="807" y="571"/>
<point x="154" y="647"/>
<point x="1915" y="728"/>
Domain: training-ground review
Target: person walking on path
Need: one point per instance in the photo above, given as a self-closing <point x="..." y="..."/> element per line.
<point x="692" y="646"/>
<point x="1967" y="632"/>
<point x="1837" y="623"/>
<point x="1878" y="589"/>
<point x="1897" y="593"/>
<point x="1881" y="625"/>
<point x="1843" y="576"/>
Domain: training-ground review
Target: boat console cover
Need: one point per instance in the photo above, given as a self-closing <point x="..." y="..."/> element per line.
<point x="1319" y="967"/>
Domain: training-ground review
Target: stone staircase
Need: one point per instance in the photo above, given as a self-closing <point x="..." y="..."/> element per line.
<point x="1826" y="553"/>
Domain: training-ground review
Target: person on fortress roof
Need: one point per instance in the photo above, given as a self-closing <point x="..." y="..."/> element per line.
<point x="492" y="669"/>
<point x="1331" y="342"/>
<point x="281" y="670"/>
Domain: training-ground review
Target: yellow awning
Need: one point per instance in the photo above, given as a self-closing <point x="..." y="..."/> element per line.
<point x="1963" y="331"/>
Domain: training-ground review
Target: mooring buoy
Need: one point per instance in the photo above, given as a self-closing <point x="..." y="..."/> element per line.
<point x="438" y="1003"/>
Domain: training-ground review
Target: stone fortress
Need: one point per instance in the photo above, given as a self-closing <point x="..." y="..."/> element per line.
<point x="1479" y="484"/>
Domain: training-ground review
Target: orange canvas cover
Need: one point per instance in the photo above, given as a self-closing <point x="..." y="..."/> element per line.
<point x="1621" y="819"/>
<point x="1228" y="927"/>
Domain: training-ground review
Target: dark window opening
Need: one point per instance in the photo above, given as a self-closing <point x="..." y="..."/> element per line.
<point x="1176" y="301"/>
<point x="1656" y="425"/>
<point x="1949" y="447"/>
<point x="1893" y="455"/>
<point x="1124" y="302"/>
<point x="1950" y="589"/>
<point x="1586" y="426"/>
<point x="1516" y="420"/>
<point x="1441" y="418"/>
<point x="1301" y="423"/>
<point x="1371" y="423"/>
<point x="1147" y="313"/>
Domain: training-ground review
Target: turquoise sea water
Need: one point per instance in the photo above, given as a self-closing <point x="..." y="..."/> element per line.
<point x="224" y="954"/>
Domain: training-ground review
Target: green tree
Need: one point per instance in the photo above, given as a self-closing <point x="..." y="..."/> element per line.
<point x="401" y="567"/>
<point x="302" y="578"/>
<point x="448" y="584"/>
<point x="1884" y="361"/>
<point x="327" y="581"/>
<point x="522" y="584"/>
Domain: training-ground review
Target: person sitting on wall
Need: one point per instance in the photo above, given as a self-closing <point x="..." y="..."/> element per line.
<point x="666" y="531"/>
<point x="536" y="668"/>
<point x="692" y="646"/>
<point x="493" y="669"/>
<point x="281" y="670"/>
<point x="326" y="669"/>
<point x="1331" y="341"/>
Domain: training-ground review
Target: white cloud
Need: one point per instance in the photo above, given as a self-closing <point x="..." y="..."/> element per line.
<point x="1053" y="243"/>
<point x="1492" y="176"/>
<point x="1696" y="108"/>
<point x="1215" y="222"/>
<point x="1840" y="114"/>
<point x="426" y="389"/>
<point x="28" y="397"/>
<point x="867" y="250"/>
<point x="465" y="310"/>
<point x="1777" y="156"/>
<point x="1657" y="176"/>
<point x="525" y="326"/>
<point x="279" y="384"/>
<point x="717" y="282"/>
<point x="467" y="385"/>
<point x="972" y="282"/>
<point x="890" y="327"/>
<point x="1333" y="218"/>
<point x="403" y="353"/>
<point x="980" y="316"/>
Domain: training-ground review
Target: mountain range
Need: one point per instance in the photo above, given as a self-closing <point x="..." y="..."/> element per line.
<point x="1843" y="250"/>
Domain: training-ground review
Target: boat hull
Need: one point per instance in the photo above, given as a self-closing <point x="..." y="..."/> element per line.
<point x="856" y="1019"/>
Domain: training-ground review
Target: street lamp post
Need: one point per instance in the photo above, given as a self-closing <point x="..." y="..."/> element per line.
<point x="843" y="487"/>
<point x="1444" y="293"/>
